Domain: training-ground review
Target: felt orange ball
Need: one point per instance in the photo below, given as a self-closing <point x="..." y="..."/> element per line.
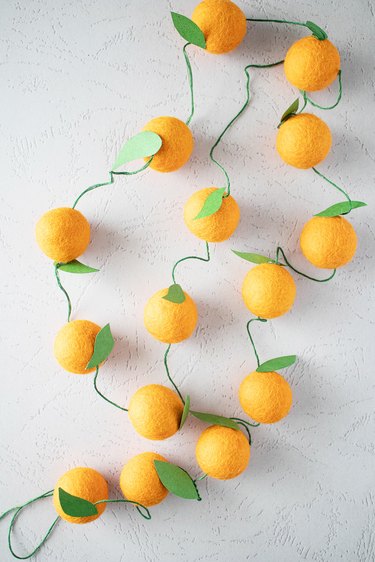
<point x="222" y="452"/>
<point x="268" y="290"/>
<point x="303" y="141"/>
<point x="328" y="242"/>
<point x="140" y="482"/>
<point x="265" y="397"/>
<point x="63" y="234"/>
<point x="214" y="228"/>
<point x="74" y="345"/>
<point x="155" y="411"/>
<point x="85" y="483"/>
<point x="223" y="24"/>
<point x="311" y="64"/>
<point x="168" y="321"/>
<point x="177" y="143"/>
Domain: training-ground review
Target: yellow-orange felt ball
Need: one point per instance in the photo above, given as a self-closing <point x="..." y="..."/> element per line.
<point x="328" y="242"/>
<point x="268" y="290"/>
<point x="85" y="483"/>
<point x="311" y="64"/>
<point x="303" y="141"/>
<point x="223" y="24"/>
<point x="214" y="228"/>
<point x="168" y="321"/>
<point x="140" y="482"/>
<point x="177" y="143"/>
<point x="265" y="397"/>
<point x="222" y="452"/>
<point x="155" y="411"/>
<point x="74" y="345"/>
<point x="63" y="234"/>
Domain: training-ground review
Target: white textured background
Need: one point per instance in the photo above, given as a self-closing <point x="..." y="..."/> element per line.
<point x="77" y="79"/>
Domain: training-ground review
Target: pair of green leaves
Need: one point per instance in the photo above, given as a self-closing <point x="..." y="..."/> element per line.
<point x="177" y="480"/>
<point x="188" y="30"/>
<point x="317" y="31"/>
<point x="277" y="363"/>
<point x="75" y="506"/>
<point x="103" y="346"/>
<point x="208" y="418"/>
<point x="75" y="266"/>
<point x="341" y="208"/>
<point x="142" y="145"/>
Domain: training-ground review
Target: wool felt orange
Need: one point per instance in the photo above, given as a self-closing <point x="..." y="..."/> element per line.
<point x="303" y="141"/>
<point x="265" y="397"/>
<point x="74" y="345"/>
<point x="223" y="24"/>
<point x="311" y="64"/>
<point x="63" y="234"/>
<point x="84" y="483"/>
<point x="178" y="143"/>
<point x="328" y="242"/>
<point x="214" y="228"/>
<point x="168" y="321"/>
<point x="155" y="411"/>
<point x="140" y="482"/>
<point x="222" y="453"/>
<point x="268" y="290"/>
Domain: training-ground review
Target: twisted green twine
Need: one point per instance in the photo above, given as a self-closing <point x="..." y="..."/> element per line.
<point x="57" y="265"/>
<point x="287" y="263"/>
<point x="168" y="373"/>
<point x="191" y="88"/>
<point x="328" y="107"/>
<point x="13" y="520"/>
<point x="336" y="187"/>
<point x="251" y="338"/>
<point x="136" y="504"/>
<point x="246" y="103"/>
<point x="207" y="259"/>
<point x="278" y="21"/>
<point x="102" y="395"/>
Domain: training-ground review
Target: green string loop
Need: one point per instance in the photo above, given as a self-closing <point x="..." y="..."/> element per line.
<point x="287" y="263"/>
<point x="57" y="265"/>
<point x="251" y="338"/>
<point x="138" y="506"/>
<point x="18" y="510"/>
<point x="337" y="187"/>
<point x="102" y="395"/>
<point x="207" y="259"/>
<point x="328" y="107"/>
<point x="246" y="103"/>
<point x="191" y="86"/>
<point x="168" y="373"/>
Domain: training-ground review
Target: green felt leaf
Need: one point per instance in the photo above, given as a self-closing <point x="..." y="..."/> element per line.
<point x="216" y="420"/>
<point x="76" y="266"/>
<point x="292" y="109"/>
<point x="175" y="294"/>
<point x="212" y="203"/>
<point x="317" y="31"/>
<point x="188" y="30"/>
<point x="104" y="343"/>
<point x="340" y="208"/>
<point x="254" y="258"/>
<point x="277" y="363"/>
<point x="75" y="506"/>
<point x="185" y="411"/>
<point x="176" y="480"/>
<point x="141" y="145"/>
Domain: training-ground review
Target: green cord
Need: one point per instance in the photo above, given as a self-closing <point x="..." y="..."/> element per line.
<point x="247" y="100"/>
<point x="207" y="259"/>
<point x="102" y="395"/>
<point x="278" y="21"/>
<point x="168" y="373"/>
<point x="250" y="336"/>
<point x="137" y="505"/>
<point x="57" y="265"/>
<point x="13" y="520"/>
<point x="287" y="263"/>
<point x="190" y="78"/>
<point x="336" y="186"/>
<point x="246" y="422"/>
<point x="314" y="104"/>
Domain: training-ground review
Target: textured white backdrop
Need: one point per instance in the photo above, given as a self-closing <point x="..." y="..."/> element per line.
<point x="79" y="77"/>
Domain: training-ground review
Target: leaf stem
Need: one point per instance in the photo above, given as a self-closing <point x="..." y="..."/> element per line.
<point x="102" y="395"/>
